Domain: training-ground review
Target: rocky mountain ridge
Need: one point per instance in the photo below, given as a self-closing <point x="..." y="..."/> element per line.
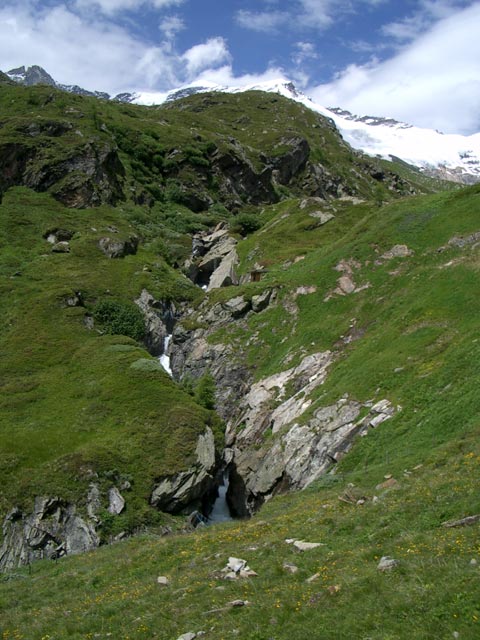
<point x="445" y="156"/>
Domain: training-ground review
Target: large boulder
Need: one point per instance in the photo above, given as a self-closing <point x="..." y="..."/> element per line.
<point x="118" y="248"/>
<point x="214" y="260"/>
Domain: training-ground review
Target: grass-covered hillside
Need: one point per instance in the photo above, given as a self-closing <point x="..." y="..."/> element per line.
<point x="99" y="204"/>
<point x="81" y="397"/>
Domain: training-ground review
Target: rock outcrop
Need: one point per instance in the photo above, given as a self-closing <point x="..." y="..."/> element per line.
<point x="90" y="175"/>
<point x="192" y="353"/>
<point x="183" y="492"/>
<point x="159" y="321"/>
<point x="301" y="454"/>
<point x="53" y="529"/>
<point x="238" y="180"/>
<point x="214" y="259"/>
<point x="118" y="248"/>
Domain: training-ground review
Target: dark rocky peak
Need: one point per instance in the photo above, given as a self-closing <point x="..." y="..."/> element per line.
<point x="186" y="92"/>
<point x="4" y="79"/>
<point x="31" y="76"/>
<point x="37" y="75"/>
<point x="293" y="89"/>
<point x="74" y="88"/>
<point x="373" y="121"/>
<point x="124" y="97"/>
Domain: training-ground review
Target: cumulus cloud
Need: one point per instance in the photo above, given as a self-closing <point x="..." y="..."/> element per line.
<point x="94" y="54"/>
<point x="434" y="80"/>
<point x="206" y="56"/>
<point x="97" y="53"/>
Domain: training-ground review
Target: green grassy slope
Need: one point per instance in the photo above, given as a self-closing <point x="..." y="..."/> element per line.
<point x="410" y="336"/>
<point x="171" y="153"/>
<point x="77" y="402"/>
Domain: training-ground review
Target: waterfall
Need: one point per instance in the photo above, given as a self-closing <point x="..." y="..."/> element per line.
<point x="220" y="511"/>
<point x="164" y="359"/>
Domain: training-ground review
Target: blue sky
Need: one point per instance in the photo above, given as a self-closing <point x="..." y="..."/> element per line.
<point x="416" y="60"/>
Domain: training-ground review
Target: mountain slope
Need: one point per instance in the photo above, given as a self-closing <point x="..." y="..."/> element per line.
<point x="446" y="156"/>
<point x="328" y="314"/>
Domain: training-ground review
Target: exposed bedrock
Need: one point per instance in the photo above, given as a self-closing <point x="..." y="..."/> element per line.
<point x="90" y="175"/>
<point x="51" y="530"/>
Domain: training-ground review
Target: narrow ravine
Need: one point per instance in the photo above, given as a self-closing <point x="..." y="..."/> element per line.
<point x="221" y="511"/>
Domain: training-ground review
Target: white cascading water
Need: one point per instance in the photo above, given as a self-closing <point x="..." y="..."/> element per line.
<point x="164" y="359"/>
<point x="220" y="511"/>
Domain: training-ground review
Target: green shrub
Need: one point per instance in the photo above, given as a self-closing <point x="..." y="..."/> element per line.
<point x="120" y="318"/>
<point x="246" y="223"/>
<point x="205" y="391"/>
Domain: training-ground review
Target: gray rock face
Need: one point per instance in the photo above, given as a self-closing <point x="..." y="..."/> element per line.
<point x="159" y="321"/>
<point x="91" y="175"/>
<point x="183" y="491"/>
<point x="117" y="248"/>
<point x="31" y="76"/>
<point x="290" y="163"/>
<point x="299" y="453"/>
<point x="51" y="530"/>
<point x="116" y="502"/>
<point x="214" y="259"/>
<point x="238" y="180"/>
<point x="193" y="355"/>
<point x="255" y="413"/>
<point x="224" y="275"/>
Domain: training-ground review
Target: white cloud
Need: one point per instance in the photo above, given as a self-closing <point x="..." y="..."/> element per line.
<point x="98" y="54"/>
<point x="206" y="56"/>
<point x="110" y="7"/>
<point x="317" y="13"/>
<point x="225" y="76"/>
<point x="304" y="51"/>
<point x="263" y="21"/>
<point x="434" y="81"/>
<point x="425" y="15"/>
<point x="302" y="15"/>
<point x="171" y="25"/>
